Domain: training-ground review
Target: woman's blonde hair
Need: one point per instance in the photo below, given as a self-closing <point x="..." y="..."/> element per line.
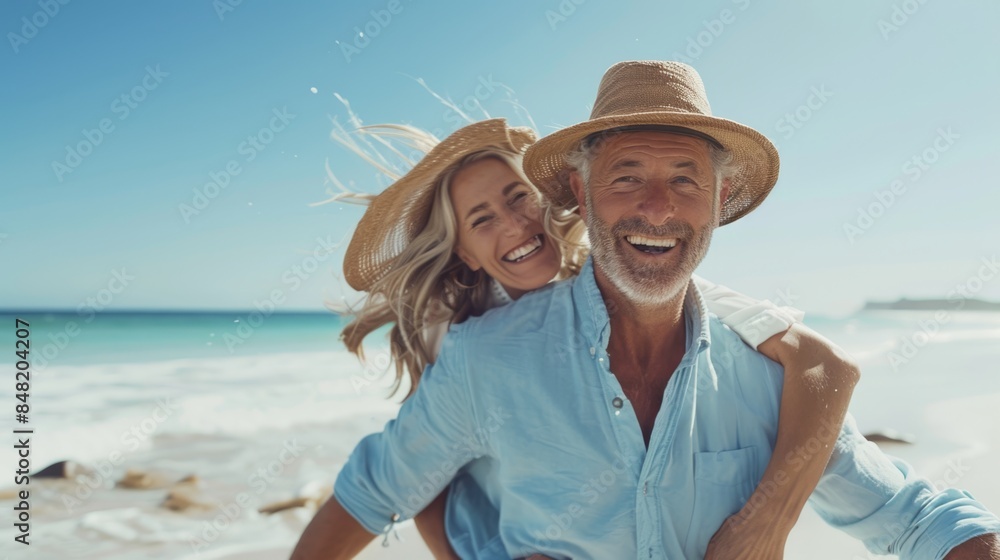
<point x="428" y="284"/>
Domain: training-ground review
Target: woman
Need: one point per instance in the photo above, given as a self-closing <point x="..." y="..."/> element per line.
<point x="472" y="233"/>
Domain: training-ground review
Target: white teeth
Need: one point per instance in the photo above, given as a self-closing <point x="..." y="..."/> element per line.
<point x="526" y="249"/>
<point x="640" y="240"/>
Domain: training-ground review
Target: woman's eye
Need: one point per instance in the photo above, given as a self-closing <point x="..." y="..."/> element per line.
<point x="481" y="220"/>
<point x="519" y="197"/>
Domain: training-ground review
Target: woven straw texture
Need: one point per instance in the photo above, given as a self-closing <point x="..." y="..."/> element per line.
<point x="401" y="211"/>
<point x="658" y="93"/>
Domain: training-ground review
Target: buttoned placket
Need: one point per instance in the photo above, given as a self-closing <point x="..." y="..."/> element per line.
<point x="650" y="514"/>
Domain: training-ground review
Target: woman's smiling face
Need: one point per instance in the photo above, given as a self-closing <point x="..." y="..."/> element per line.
<point x="500" y="226"/>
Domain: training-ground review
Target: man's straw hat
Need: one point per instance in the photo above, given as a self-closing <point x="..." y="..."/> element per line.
<point x="665" y="94"/>
<point x="400" y="212"/>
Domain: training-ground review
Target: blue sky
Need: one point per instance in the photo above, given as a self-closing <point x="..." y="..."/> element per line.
<point x="851" y="92"/>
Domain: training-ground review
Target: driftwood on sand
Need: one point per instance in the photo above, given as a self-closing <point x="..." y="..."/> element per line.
<point x="890" y="436"/>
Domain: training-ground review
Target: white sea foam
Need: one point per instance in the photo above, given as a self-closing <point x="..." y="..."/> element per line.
<point x="87" y="412"/>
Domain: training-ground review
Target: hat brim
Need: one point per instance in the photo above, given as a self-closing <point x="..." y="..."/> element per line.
<point x="754" y="157"/>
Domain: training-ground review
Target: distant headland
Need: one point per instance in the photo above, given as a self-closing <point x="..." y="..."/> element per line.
<point x="962" y="304"/>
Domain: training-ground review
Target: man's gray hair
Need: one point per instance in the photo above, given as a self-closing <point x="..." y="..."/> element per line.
<point x="583" y="156"/>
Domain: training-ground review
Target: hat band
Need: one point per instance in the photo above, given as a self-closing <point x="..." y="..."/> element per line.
<point x="591" y="139"/>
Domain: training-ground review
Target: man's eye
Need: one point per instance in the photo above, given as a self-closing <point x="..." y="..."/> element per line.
<point x="626" y="179"/>
<point x="683" y="179"/>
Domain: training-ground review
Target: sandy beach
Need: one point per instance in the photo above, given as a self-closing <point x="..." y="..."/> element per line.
<point x="259" y="430"/>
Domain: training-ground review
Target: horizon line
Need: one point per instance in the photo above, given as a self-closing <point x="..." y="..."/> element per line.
<point x="155" y="311"/>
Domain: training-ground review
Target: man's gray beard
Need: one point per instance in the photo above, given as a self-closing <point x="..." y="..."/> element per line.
<point x="647" y="285"/>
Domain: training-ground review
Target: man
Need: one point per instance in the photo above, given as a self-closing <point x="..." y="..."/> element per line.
<point x="657" y="423"/>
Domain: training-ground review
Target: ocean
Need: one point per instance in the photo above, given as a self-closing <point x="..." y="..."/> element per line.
<point x="224" y="396"/>
<point x="223" y="373"/>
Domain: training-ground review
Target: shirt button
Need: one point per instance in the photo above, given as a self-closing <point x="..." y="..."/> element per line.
<point x="617" y="402"/>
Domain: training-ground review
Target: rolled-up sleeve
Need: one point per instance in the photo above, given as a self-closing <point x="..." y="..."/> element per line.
<point x="882" y="502"/>
<point x="401" y="469"/>
<point x="754" y="320"/>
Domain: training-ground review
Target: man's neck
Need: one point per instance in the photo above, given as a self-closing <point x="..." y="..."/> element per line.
<point x="647" y="331"/>
<point x="646" y="345"/>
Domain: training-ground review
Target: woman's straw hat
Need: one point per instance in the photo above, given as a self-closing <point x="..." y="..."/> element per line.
<point x="662" y="94"/>
<point x="400" y="212"/>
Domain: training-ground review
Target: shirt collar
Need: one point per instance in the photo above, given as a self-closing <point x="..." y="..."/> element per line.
<point x="590" y="305"/>
<point x="498" y="295"/>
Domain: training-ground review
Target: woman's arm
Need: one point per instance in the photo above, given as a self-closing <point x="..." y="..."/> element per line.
<point x="430" y="525"/>
<point x="430" y="522"/>
<point x="818" y="382"/>
<point x="333" y="534"/>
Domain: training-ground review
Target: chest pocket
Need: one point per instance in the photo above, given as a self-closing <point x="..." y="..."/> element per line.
<point x="723" y="482"/>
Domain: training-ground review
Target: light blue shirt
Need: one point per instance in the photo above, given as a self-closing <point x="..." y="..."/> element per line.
<point x="527" y="387"/>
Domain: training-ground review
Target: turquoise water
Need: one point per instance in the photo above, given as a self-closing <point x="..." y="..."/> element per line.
<point x="75" y="339"/>
<point x="68" y="338"/>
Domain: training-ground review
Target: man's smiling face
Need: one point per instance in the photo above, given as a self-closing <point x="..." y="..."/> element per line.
<point x="651" y="206"/>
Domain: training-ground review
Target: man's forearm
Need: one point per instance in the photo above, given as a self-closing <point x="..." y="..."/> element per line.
<point x="985" y="547"/>
<point x="333" y="534"/>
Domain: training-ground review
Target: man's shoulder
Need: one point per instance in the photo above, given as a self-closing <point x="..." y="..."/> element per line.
<point x="741" y="378"/>
<point x="732" y="356"/>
